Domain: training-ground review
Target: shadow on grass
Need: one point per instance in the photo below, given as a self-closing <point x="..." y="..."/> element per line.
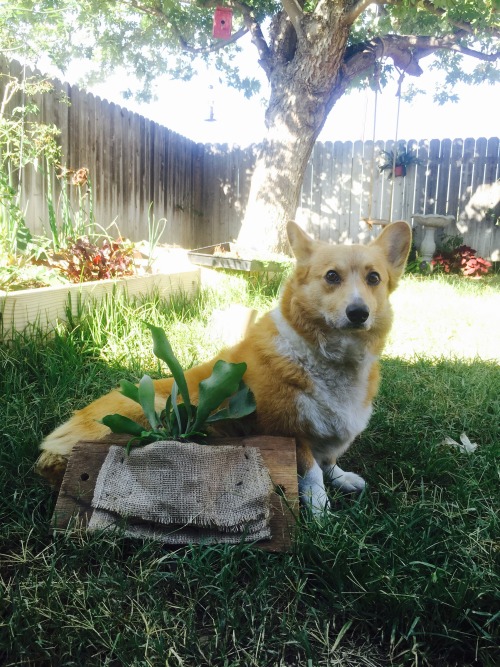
<point x="415" y="558"/>
<point x="405" y="574"/>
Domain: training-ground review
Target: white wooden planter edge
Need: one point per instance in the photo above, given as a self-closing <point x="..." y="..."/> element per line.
<point x="46" y="306"/>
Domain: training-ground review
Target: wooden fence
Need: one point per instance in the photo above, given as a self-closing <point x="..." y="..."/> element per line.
<point x="140" y="170"/>
<point x="344" y="186"/>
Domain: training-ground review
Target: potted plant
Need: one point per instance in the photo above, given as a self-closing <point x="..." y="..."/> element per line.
<point x="399" y="162"/>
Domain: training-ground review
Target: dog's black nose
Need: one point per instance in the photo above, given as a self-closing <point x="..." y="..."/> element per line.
<point x="357" y="313"/>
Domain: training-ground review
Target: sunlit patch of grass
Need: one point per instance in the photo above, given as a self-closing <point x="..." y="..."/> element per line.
<point x="446" y="316"/>
<point x="407" y="574"/>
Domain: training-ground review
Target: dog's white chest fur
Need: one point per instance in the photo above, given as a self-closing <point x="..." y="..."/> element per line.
<point x="334" y="412"/>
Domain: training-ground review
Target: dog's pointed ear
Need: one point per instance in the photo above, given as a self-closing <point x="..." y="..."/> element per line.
<point x="395" y="241"/>
<point x="301" y="243"/>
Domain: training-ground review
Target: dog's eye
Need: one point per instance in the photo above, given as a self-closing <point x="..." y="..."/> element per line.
<point x="373" y="278"/>
<point x="332" y="277"/>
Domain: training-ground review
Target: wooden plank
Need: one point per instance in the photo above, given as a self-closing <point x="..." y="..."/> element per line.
<point x="357" y="232"/>
<point x="35" y="182"/>
<point x="432" y="176"/>
<point x="123" y="193"/>
<point x="98" y="177"/>
<point x="408" y="203"/>
<point x="116" y="217"/>
<point x="456" y="165"/>
<point x="316" y="190"/>
<point x="195" y="206"/>
<point x="378" y="184"/>
<point x="397" y="191"/>
<point x="221" y="198"/>
<point x="369" y="167"/>
<point x="170" y="184"/>
<point x="386" y="187"/>
<point x="211" y="193"/>
<point x="246" y="168"/>
<point x="73" y="507"/>
<point x="443" y="177"/>
<point x="465" y="184"/>
<point x="345" y="182"/>
<point x="141" y="169"/>
<point x="233" y="203"/>
<point x="479" y="164"/>
<point x="421" y="177"/>
<point x="305" y="197"/>
<point x="491" y="166"/>
<point x="136" y="173"/>
<point x="335" y="231"/>
<point x="325" y="215"/>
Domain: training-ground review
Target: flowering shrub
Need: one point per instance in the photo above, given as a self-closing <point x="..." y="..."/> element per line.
<point x="462" y="259"/>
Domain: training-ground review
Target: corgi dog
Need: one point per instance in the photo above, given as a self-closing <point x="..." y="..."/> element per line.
<point x="312" y="362"/>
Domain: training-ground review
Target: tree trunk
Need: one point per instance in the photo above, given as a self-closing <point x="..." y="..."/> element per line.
<point x="275" y="189"/>
<point x="304" y="88"/>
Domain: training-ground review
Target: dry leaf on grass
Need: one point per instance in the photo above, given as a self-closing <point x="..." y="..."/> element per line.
<point x="465" y="445"/>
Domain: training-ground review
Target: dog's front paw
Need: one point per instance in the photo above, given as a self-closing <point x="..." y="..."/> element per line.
<point x="347" y="482"/>
<point x="313" y="501"/>
<point x="312" y="492"/>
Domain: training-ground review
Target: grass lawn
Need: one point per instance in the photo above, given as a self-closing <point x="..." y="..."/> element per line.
<point x="408" y="574"/>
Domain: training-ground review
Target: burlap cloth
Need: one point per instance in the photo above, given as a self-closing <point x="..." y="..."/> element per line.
<point x="184" y="492"/>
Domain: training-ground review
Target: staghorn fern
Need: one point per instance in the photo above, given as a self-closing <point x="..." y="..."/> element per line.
<point x="180" y="421"/>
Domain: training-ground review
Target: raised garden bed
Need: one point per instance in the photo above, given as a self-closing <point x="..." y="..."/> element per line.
<point x="226" y="256"/>
<point x="46" y="306"/>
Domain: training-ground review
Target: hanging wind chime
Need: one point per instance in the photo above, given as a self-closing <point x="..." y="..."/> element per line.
<point x="223" y="19"/>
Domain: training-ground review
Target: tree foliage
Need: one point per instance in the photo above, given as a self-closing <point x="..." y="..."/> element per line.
<point x="156" y="37"/>
<point x="311" y="51"/>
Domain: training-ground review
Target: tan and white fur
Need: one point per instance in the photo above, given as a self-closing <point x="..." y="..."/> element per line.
<point x="312" y="363"/>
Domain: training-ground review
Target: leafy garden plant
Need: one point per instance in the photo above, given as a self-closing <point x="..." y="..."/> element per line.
<point x="84" y="260"/>
<point x="455" y="257"/>
<point x="222" y="396"/>
<point x="399" y="162"/>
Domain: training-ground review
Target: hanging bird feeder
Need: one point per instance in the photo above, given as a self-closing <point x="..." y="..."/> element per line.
<point x="223" y="19"/>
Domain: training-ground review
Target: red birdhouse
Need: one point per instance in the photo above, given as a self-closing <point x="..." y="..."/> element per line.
<point x="223" y="18"/>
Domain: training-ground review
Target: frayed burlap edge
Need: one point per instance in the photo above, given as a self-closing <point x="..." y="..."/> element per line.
<point x="184" y="492"/>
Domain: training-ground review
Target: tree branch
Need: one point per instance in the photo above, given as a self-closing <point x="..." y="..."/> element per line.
<point x="258" y="40"/>
<point x="358" y="8"/>
<point x="449" y="43"/>
<point x="405" y="51"/>
<point x="295" y="14"/>
<point x="164" y="18"/>
<point x="216" y="46"/>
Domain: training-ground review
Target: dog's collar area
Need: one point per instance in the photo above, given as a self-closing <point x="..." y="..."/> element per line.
<point x="341" y="347"/>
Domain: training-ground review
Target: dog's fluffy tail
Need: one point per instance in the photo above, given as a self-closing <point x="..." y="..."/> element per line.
<point x="85" y="425"/>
